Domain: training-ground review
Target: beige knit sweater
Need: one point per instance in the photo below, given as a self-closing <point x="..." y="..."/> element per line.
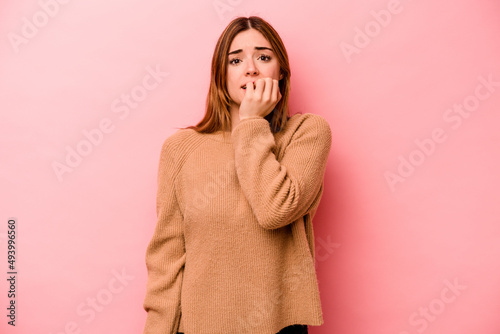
<point x="233" y="247"/>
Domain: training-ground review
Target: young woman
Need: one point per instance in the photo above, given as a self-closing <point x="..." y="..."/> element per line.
<point x="233" y="247"/>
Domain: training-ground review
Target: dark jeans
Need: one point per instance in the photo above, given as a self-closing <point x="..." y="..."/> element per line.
<point x="293" y="329"/>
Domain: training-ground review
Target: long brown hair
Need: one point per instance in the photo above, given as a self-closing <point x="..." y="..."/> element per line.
<point x="217" y="115"/>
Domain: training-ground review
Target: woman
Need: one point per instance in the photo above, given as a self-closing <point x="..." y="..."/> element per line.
<point x="233" y="248"/>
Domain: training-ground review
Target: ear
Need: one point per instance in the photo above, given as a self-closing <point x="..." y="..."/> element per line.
<point x="281" y="75"/>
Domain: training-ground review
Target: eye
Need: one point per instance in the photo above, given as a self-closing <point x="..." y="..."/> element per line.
<point x="268" y="58"/>
<point x="265" y="57"/>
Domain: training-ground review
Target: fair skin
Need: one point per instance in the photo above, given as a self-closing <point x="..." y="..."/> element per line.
<point x="249" y="64"/>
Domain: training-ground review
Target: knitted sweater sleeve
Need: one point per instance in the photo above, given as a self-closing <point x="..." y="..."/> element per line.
<point x="280" y="192"/>
<point x="165" y="254"/>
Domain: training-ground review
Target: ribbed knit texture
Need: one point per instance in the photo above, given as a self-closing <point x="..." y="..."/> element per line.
<point x="233" y="247"/>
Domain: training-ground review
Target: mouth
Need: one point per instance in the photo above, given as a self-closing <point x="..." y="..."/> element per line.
<point x="245" y="85"/>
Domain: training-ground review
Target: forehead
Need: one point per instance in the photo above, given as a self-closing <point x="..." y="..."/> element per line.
<point x="249" y="39"/>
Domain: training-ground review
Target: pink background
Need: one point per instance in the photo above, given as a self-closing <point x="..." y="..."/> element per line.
<point x="385" y="74"/>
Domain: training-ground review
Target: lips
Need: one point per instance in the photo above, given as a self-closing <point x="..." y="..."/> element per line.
<point x="245" y="85"/>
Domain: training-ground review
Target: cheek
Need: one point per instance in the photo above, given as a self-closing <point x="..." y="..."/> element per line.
<point x="278" y="72"/>
<point x="275" y="73"/>
<point x="231" y="83"/>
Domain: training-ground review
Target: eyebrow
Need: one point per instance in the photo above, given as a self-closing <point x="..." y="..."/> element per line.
<point x="256" y="48"/>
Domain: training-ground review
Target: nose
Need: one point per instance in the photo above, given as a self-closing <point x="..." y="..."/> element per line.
<point x="251" y="68"/>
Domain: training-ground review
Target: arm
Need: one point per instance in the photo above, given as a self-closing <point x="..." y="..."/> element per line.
<point x="165" y="254"/>
<point x="281" y="192"/>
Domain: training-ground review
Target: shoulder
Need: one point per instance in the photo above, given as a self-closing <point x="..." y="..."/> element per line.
<point x="177" y="145"/>
<point x="178" y="137"/>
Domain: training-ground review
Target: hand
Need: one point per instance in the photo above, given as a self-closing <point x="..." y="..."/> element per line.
<point x="261" y="100"/>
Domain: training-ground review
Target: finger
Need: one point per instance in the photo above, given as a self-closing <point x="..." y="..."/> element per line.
<point x="268" y="89"/>
<point x="259" y="88"/>
<point x="250" y="89"/>
<point x="276" y="94"/>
